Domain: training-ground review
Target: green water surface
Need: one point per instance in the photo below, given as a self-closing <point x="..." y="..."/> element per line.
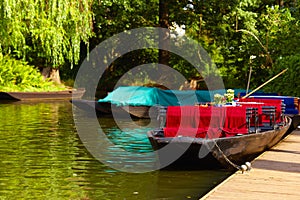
<point x="42" y="157"/>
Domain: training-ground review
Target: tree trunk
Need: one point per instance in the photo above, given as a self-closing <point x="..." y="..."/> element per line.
<point x="164" y="42"/>
<point x="280" y="3"/>
<point x="164" y="56"/>
<point x="52" y="74"/>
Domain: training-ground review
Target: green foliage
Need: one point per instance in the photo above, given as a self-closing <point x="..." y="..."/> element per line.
<point x="276" y="40"/>
<point x="45" y="33"/>
<point x="49" y="33"/>
<point x="217" y="26"/>
<point x="116" y="16"/>
<point x="287" y="83"/>
<point x="17" y="75"/>
<point x="235" y="31"/>
<point x="124" y="64"/>
<point x="112" y="17"/>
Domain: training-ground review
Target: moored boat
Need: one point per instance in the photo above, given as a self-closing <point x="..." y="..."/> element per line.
<point x="142" y="102"/>
<point x="218" y="137"/>
<point x="52" y="95"/>
<point x="92" y="106"/>
<point x="101" y="109"/>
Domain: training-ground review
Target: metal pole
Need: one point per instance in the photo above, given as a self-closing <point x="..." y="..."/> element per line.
<point x="248" y="84"/>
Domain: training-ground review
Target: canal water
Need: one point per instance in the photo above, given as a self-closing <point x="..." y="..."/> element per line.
<point x="43" y="157"/>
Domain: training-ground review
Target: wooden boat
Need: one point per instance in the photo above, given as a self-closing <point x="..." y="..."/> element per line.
<point x="295" y="121"/>
<point x="102" y="109"/>
<point x="143" y="112"/>
<point x="65" y="94"/>
<point x="142" y="102"/>
<point x="230" y="148"/>
<point x="106" y="109"/>
<point x="92" y="106"/>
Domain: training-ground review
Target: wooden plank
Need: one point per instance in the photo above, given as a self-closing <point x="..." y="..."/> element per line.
<point x="275" y="175"/>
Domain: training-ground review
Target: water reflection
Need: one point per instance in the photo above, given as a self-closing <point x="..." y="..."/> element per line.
<point x="42" y="157"/>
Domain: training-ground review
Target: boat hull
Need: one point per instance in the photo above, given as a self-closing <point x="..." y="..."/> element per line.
<point x="295" y="121"/>
<point x="103" y="109"/>
<point x="226" y="153"/>
<point x="91" y="106"/>
<point x="66" y="95"/>
<point x="143" y="112"/>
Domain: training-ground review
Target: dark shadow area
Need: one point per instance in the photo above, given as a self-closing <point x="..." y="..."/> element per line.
<point x="277" y="166"/>
<point x="285" y="151"/>
<point x="7" y="96"/>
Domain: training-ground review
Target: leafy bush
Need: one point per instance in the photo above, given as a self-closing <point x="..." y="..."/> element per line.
<point x="17" y="75"/>
<point x="286" y="84"/>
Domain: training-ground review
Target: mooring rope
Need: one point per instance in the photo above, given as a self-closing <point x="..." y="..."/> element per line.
<point x="244" y="167"/>
<point x="226" y="158"/>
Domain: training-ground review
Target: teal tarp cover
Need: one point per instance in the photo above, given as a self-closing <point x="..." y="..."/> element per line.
<point x="151" y="96"/>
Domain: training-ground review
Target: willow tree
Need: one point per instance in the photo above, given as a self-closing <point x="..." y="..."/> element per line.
<point x="46" y="33"/>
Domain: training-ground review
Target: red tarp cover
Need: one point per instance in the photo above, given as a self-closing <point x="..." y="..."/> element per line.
<point x="211" y="122"/>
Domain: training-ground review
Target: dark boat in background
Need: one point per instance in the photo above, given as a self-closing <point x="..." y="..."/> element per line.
<point x="101" y="109"/>
<point x="91" y="106"/>
<point x="142" y="112"/>
<point x="107" y="109"/>
<point x="52" y="95"/>
<point x="218" y="137"/>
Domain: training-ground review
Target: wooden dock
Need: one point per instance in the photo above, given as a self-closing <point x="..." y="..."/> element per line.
<point x="274" y="175"/>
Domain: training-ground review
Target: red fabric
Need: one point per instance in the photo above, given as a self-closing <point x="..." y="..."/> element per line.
<point x="235" y="121"/>
<point x="190" y="132"/>
<point x="211" y="117"/>
<point x="210" y="122"/>
<point x="181" y="116"/>
<point x="265" y="102"/>
<point x="277" y="114"/>
<point x="214" y="133"/>
<point x="172" y="118"/>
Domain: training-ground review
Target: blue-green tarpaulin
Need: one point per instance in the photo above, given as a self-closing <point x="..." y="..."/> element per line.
<point x="151" y="96"/>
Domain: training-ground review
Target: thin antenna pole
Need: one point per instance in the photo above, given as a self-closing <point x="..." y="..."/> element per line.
<point x="249" y="78"/>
